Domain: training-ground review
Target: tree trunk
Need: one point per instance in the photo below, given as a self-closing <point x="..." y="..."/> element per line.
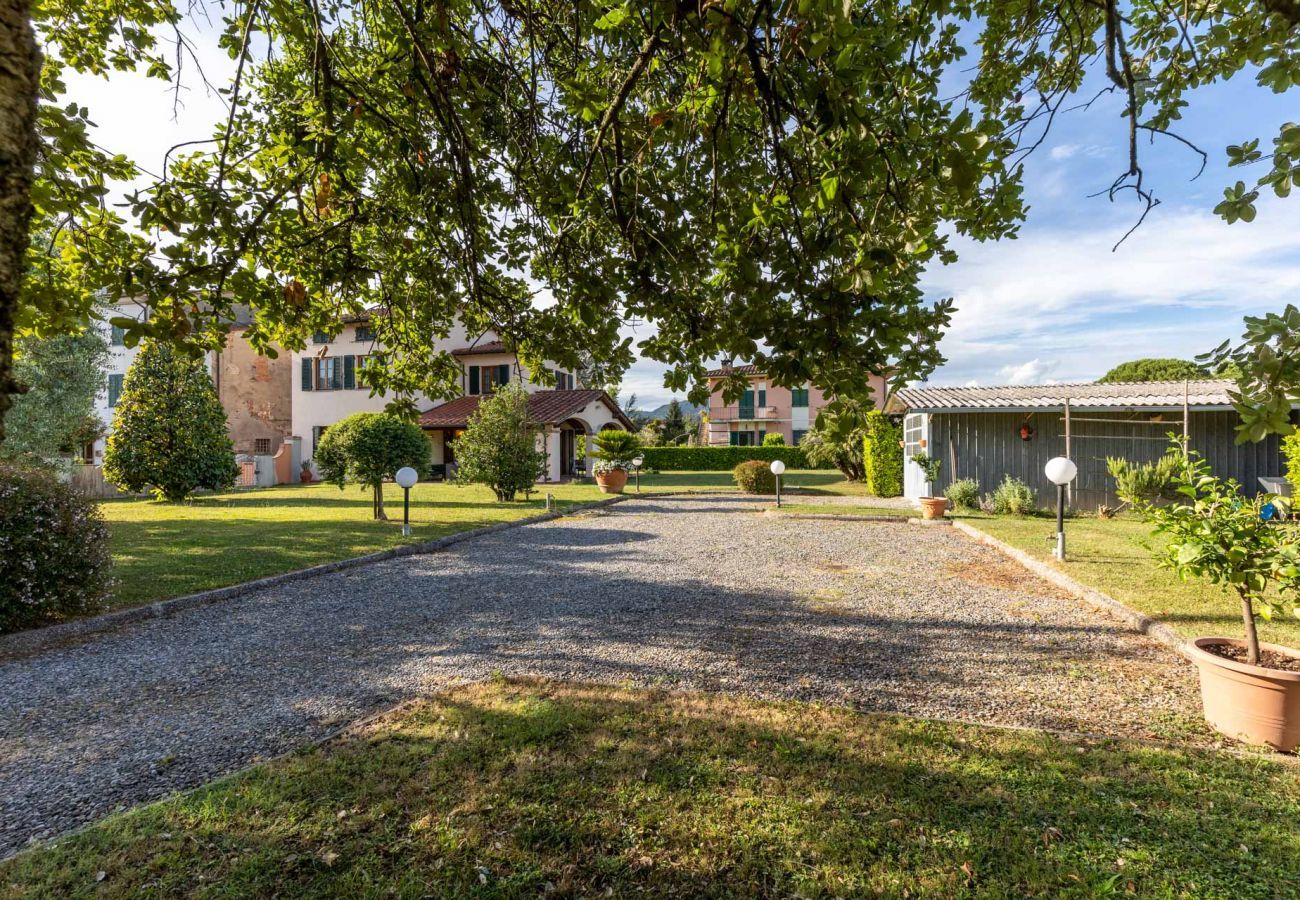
<point x="1252" y="636"/>
<point x="20" y="69"/>
<point x="379" y="502"/>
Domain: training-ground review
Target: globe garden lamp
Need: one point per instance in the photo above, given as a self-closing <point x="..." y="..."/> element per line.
<point x="778" y="469"/>
<point x="1060" y="471"/>
<point x="406" y="477"/>
<point x="637" y="462"/>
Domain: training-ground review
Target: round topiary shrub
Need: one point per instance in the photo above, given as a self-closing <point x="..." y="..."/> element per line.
<point x="755" y="477"/>
<point x="54" y="559"/>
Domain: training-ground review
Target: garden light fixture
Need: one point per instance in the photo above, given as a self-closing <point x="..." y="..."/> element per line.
<point x="778" y="468"/>
<point x="1060" y="471"/>
<point x="406" y="477"/>
<point x="637" y="462"/>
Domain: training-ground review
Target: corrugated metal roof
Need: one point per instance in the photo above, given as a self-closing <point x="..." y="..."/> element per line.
<point x="1202" y="393"/>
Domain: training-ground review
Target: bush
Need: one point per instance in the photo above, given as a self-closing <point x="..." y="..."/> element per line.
<point x="615" y="449"/>
<point x="1291" y="453"/>
<point x="54" y="559"/>
<point x="827" y="445"/>
<point x="366" y="448"/>
<point x="774" y="439"/>
<point x="1011" y="497"/>
<point x="1138" y="483"/>
<point x="755" y="477"/>
<point x="169" y="429"/>
<point x="723" y="459"/>
<point x="882" y="457"/>
<point x="499" y="447"/>
<point x="964" y="493"/>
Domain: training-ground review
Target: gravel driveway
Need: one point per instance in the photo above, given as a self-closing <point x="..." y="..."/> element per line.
<point x="699" y="592"/>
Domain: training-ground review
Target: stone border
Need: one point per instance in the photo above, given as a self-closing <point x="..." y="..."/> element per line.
<point x="33" y="640"/>
<point x="1137" y="621"/>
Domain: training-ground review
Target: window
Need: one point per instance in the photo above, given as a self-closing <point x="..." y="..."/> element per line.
<point x="114" y="389"/>
<point x="799" y="398"/>
<point x="262" y="446"/>
<point x="365" y="333"/>
<point x="747" y="405"/>
<point x="742" y="439"/>
<point x="798" y="436"/>
<point x="317" y="431"/>
<point x="486" y="379"/>
<point x="118" y="336"/>
<point x="563" y="381"/>
<point x="320" y="337"/>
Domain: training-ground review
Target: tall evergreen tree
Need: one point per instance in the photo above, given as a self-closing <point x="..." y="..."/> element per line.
<point x="674" y="426"/>
<point x="170" y="431"/>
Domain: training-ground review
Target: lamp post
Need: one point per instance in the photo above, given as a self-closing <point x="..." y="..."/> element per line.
<point x="778" y="469"/>
<point x="1060" y="471"/>
<point x="637" y="461"/>
<point x="406" y="477"/>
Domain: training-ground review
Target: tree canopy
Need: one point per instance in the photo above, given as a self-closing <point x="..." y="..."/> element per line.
<point x="1154" y="369"/>
<point x="755" y="178"/>
<point x="63" y="374"/>
<point x="367" y="448"/>
<point x="499" y="445"/>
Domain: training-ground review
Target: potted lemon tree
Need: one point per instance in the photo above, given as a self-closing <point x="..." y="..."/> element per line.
<point x="931" y="507"/>
<point x="615" y="450"/>
<point x="1250" y="690"/>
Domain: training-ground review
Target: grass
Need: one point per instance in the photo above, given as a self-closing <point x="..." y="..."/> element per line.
<point x="164" y="550"/>
<point x="1112" y="556"/>
<point x="514" y="789"/>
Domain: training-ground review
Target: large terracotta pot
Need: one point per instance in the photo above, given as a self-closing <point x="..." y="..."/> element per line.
<point x="933" y="507"/>
<point x="612" y="482"/>
<point x="1251" y="703"/>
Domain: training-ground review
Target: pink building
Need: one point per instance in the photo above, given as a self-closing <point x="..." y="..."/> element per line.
<point x="765" y="409"/>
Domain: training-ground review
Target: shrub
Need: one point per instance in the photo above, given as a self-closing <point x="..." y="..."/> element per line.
<point x="827" y="446"/>
<point x="54" y="559"/>
<point x="882" y="457"/>
<point x="1137" y="483"/>
<point x="1011" y="497"/>
<point x="964" y="493"/>
<point x="774" y="439"/>
<point x="499" y="447"/>
<point x="724" y="459"/>
<point x="930" y="465"/>
<point x="755" y="477"/>
<point x="169" y="430"/>
<point x="615" y="449"/>
<point x="366" y="448"/>
<point x="1291" y="453"/>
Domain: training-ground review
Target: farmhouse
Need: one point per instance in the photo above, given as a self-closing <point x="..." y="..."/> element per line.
<point x="987" y="433"/>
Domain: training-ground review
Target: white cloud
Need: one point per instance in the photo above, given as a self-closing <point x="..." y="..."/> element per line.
<point x="1030" y="372"/>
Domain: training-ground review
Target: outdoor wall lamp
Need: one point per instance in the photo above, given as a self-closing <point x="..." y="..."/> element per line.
<point x="778" y="469"/>
<point x="1060" y="471"/>
<point x="637" y="462"/>
<point x="406" y="477"/>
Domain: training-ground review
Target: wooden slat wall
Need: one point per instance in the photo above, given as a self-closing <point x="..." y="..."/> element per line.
<point x="988" y="447"/>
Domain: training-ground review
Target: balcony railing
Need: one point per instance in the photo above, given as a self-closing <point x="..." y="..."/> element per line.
<point x="742" y="413"/>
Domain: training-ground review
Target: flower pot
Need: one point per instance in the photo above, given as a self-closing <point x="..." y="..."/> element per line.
<point x="612" y="482"/>
<point x="933" y="507"/>
<point x="1250" y="703"/>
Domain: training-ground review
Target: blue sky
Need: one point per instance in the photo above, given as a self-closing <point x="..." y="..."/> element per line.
<point x="1056" y="304"/>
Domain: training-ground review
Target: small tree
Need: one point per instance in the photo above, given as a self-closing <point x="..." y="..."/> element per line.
<point x="499" y="446"/>
<point x="930" y="465"/>
<point x="774" y="439"/>
<point x="825" y="447"/>
<point x="1216" y="533"/>
<point x="367" y="448"/>
<point x="674" y="427"/>
<point x="62" y="375"/>
<point x="615" y="449"/>
<point x="170" y="430"/>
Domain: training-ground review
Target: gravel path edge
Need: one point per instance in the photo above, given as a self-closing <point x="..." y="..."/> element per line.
<point x="1140" y="622"/>
<point x="34" y="640"/>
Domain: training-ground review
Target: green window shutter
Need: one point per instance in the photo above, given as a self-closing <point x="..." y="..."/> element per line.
<point x="336" y="373"/>
<point x="732" y="438"/>
<point x="306" y="374"/>
<point x="762" y="397"/>
<point x="473" y="379"/>
<point x="762" y="433"/>
<point x="114" y="388"/>
<point x="503" y="374"/>
<point x="119" y="336"/>
<point x="349" y="372"/>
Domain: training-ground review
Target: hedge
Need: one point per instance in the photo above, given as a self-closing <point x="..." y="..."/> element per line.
<point x="719" y="459"/>
<point x="882" y="457"/>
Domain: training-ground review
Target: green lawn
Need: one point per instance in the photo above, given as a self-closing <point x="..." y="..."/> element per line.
<point x="164" y="550"/>
<point x="527" y="789"/>
<point x="1109" y="554"/>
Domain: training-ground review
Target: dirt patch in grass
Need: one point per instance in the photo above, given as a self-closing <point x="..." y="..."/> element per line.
<point x="996" y="573"/>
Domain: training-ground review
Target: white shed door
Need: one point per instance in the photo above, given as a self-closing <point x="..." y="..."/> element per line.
<point x="916" y="429"/>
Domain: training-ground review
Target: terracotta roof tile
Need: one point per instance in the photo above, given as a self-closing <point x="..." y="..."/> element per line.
<point x="728" y="370"/>
<point x="544" y="408"/>
<point x="485" y="347"/>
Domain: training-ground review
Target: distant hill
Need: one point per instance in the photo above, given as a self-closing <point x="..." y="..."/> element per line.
<point x="662" y="411"/>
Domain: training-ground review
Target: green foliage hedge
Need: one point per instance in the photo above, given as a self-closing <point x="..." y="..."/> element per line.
<point x="1291" y="453"/>
<point x="721" y="459"/>
<point x="882" y="457"/>
<point x="54" y="557"/>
